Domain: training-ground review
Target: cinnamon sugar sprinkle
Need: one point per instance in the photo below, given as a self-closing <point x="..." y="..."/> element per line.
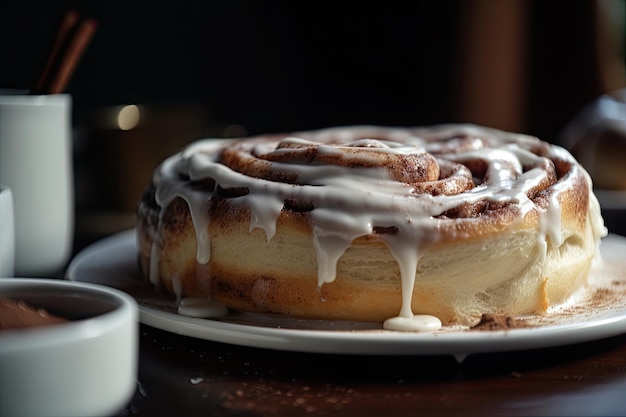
<point x="495" y="322"/>
<point x="604" y="294"/>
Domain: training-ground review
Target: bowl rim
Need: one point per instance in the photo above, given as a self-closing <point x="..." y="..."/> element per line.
<point x="124" y="308"/>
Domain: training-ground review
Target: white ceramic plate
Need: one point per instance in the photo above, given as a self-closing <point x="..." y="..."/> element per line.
<point x="596" y="312"/>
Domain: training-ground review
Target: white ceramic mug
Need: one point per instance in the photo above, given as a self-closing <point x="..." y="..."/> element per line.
<point x="36" y="163"/>
<point x="7" y="233"/>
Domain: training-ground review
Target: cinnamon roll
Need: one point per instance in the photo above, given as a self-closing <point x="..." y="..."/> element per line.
<point x="413" y="227"/>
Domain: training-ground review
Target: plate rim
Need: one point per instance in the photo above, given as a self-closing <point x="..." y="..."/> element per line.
<point x="359" y="342"/>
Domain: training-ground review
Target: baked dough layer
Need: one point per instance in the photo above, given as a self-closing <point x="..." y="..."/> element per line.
<point x="319" y="225"/>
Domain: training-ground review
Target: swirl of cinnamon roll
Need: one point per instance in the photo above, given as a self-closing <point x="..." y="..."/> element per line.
<point x="413" y="227"/>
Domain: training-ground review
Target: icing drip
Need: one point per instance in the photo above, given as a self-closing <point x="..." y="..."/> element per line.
<point x="356" y="182"/>
<point x="413" y="323"/>
<point x="205" y="308"/>
<point x="406" y="251"/>
<point x="177" y="288"/>
<point x="333" y="233"/>
<point x="549" y="227"/>
<point x="267" y="209"/>
<point x="154" y="265"/>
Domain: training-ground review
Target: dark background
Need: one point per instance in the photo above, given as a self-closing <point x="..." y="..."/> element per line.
<point x="278" y="66"/>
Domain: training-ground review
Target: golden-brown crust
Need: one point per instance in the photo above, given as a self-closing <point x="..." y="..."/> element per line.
<point x="484" y="259"/>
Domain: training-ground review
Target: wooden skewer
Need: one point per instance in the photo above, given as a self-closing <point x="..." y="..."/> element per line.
<point x="67" y="24"/>
<point x="74" y="52"/>
<point x="68" y="47"/>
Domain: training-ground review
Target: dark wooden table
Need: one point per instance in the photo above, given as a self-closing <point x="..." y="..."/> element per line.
<point x="186" y="377"/>
<point x="183" y="376"/>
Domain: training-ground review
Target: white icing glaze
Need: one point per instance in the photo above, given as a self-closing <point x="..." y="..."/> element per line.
<point x="350" y="201"/>
<point x="177" y="288"/>
<point x="154" y="264"/>
<point x="413" y="323"/>
<point x="200" y="307"/>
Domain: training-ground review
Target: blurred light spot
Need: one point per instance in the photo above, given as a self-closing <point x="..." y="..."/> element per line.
<point x="128" y="117"/>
